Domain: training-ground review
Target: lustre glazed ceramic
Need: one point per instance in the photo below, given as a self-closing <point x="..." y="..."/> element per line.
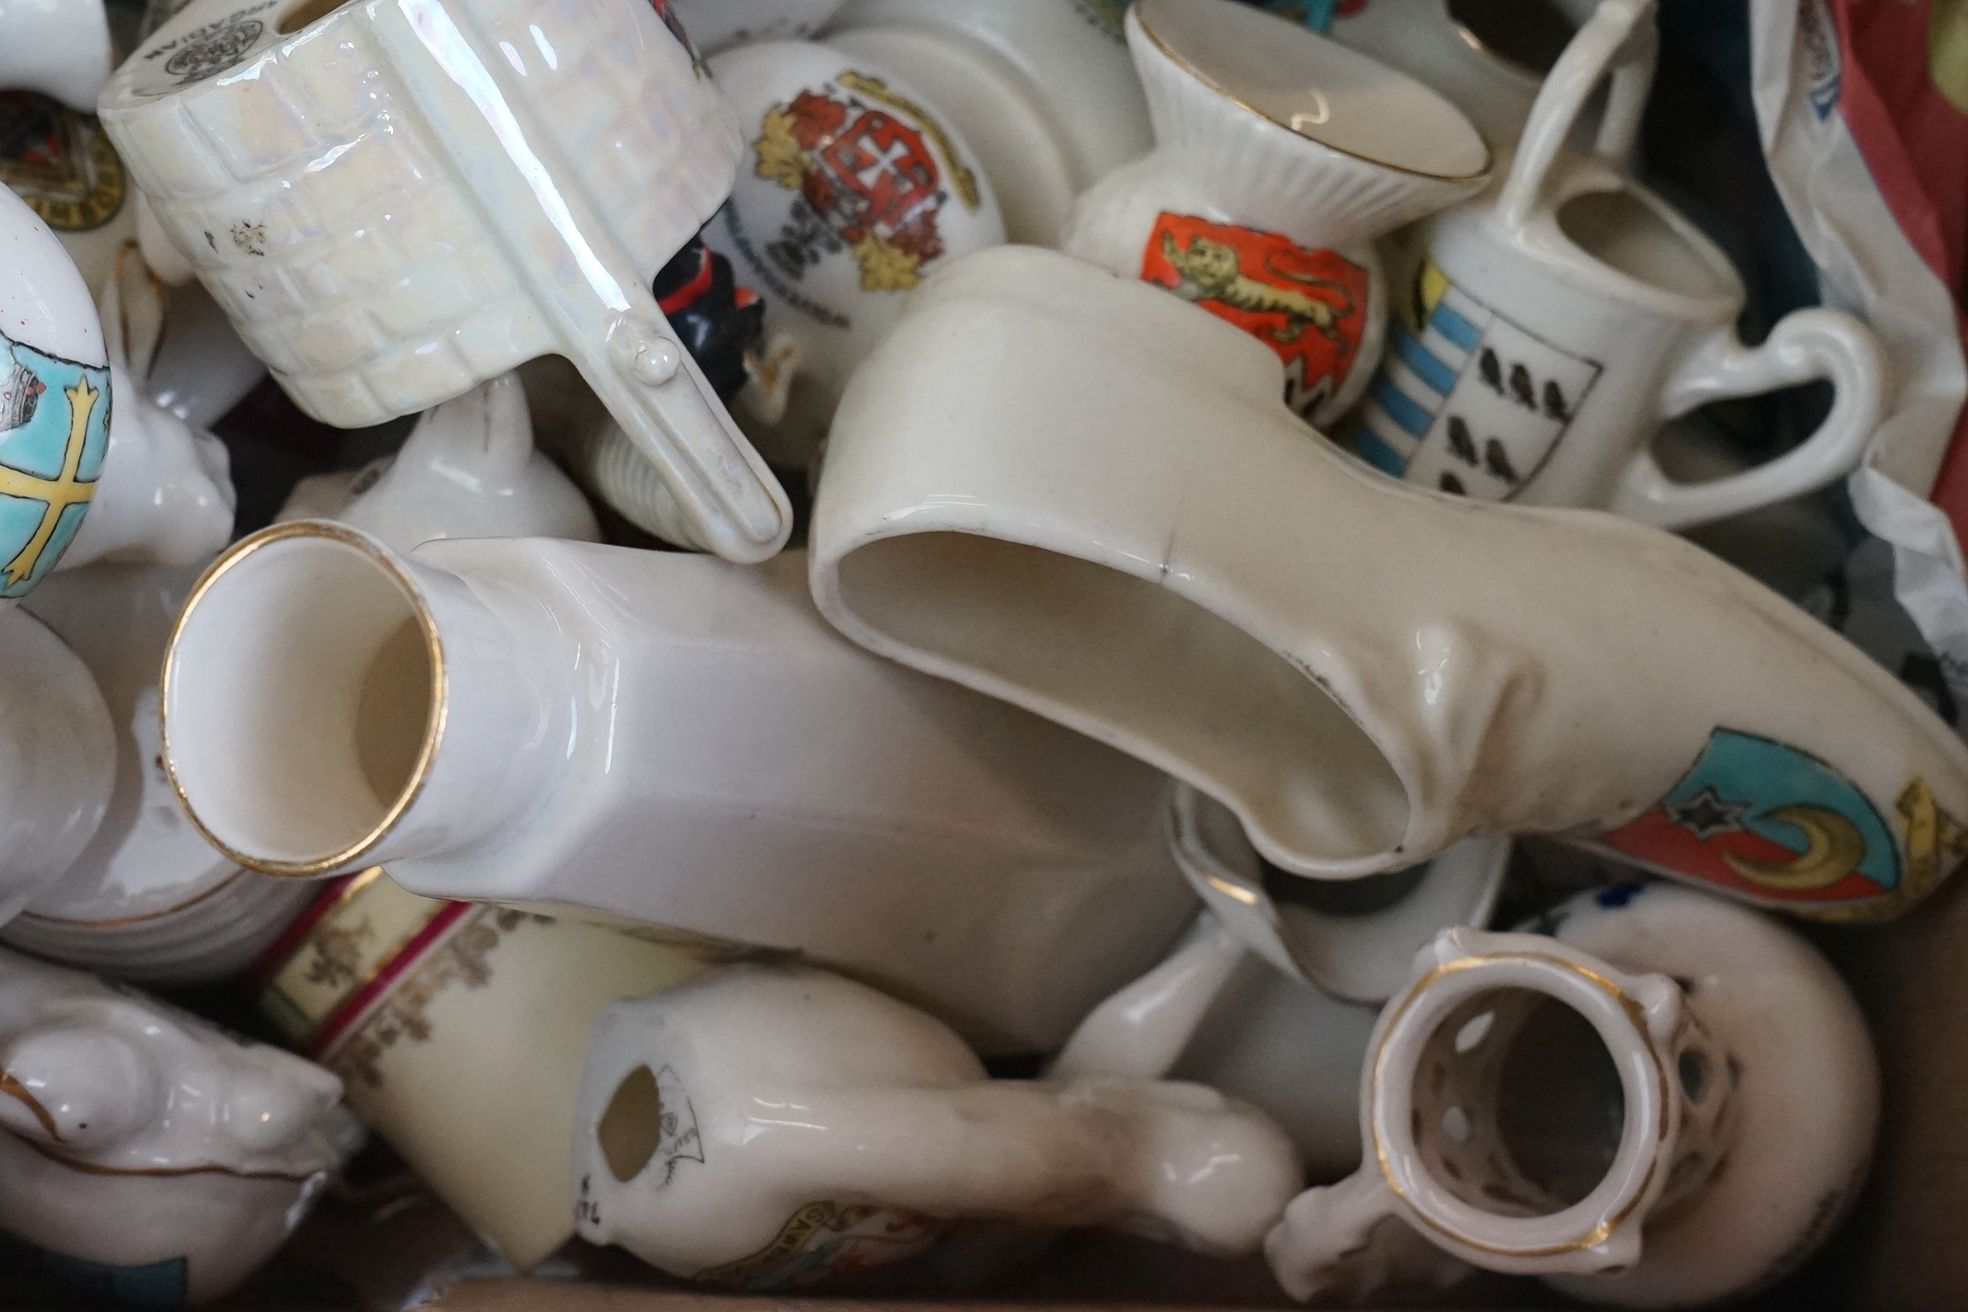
<point x="60" y="48"/>
<point x="1537" y="1105"/>
<point x="669" y="739"/>
<point x="854" y="188"/>
<point x="59" y="161"/>
<point x="57" y="754"/>
<point x="145" y="1155"/>
<point x="1356" y="720"/>
<point x="467" y="470"/>
<point x="459" y="1031"/>
<point x="508" y="190"/>
<point x="148" y="899"/>
<point x="772" y="1125"/>
<point x="1279" y="157"/>
<point x="716" y="24"/>
<point x="1040" y="88"/>
<point x="1554" y="327"/>
<point x="55" y="396"/>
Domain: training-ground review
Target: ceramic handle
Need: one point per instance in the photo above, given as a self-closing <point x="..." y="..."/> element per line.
<point x="1620" y="43"/>
<point x="1142" y="1029"/>
<point x="1805" y="345"/>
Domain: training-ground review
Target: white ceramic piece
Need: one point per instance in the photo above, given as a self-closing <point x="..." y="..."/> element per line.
<point x="146" y="1153"/>
<point x="768" y="1126"/>
<point x="467" y="470"/>
<point x="1042" y="89"/>
<point x="669" y="739"/>
<point x="1470" y="669"/>
<point x="854" y="188"/>
<point x="1554" y="327"/>
<point x="1667" y="1139"/>
<point x="148" y="899"/>
<point x="508" y="190"/>
<point x="716" y="24"/>
<point x="1279" y="157"/>
<point x="201" y="370"/>
<point x="60" y="162"/>
<point x="60" y="48"/>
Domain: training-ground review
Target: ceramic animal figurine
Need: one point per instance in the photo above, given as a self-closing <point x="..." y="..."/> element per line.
<point x="671" y="740"/>
<point x="1041" y="89"/>
<point x="459" y="1031"/>
<point x="1554" y="326"/>
<point x="146" y="1156"/>
<point x="1279" y="157"/>
<point x="682" y="1157"/>
<point x="542" y="160"/>
<point x="468" y="469"/>
<point x="58" y="160"/>
<point x="967" y="525"/>
<point x="1616" y="1107"/>
<point x="717" y="24"/>
<point x="60" y="48"/>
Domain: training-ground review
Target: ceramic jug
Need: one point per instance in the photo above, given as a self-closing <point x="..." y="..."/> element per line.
<point x="60" y="48"/>
<point x="682" y="1153"/>
<point x="1279" y="157"/>
<point x="1619" y="1107"/>
<point x="147" y="899"/>
<point x="146" y="1156"/>
<point x="1040" y="88"/>
<point x="968" y="524"/>
<point x="667" y="739"/>
<point x="468" y="469"/>
<point x="459" y="1031"/>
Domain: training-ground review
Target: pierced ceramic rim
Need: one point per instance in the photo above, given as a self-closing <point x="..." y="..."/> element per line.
<point x="433" y="727"/>
<point x="1618" y="1018"/>
<point x="1139" y="11"/>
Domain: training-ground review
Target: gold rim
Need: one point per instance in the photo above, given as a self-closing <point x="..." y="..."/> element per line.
<point x="14" y="1089"/>
<point x="1140" y="12"/>
<point x="120" y="922"/>
<point x="1635" y="1013"/>
<point x="433" y="725"/>
<point x="162" y="1172"/>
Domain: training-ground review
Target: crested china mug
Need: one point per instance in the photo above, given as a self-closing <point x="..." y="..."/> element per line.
<point x="1540" y="1106"/>
<point x="682" y="1152"/>
<point x="668" y="739"/>
<point x="1357" y="721"/>
<point x="459" y="1031"/>
<point x="1556" y="324"/>
<point x="146" y="1156"/>
<point x="1042" y="89"/>
<point x="1279" y="157"/>
<point x="507" y="190"/>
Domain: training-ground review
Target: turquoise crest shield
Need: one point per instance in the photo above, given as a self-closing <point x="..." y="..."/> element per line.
<point x="54" y="434"/>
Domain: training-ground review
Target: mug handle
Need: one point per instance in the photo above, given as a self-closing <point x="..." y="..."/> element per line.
<point x="1614" y="43"/>
<point x="1805" y="345"/>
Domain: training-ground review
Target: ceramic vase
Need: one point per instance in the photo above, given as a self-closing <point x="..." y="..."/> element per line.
<point x="681" y="1155"/>
<point x="146" y="1157"/>
<point x="458" y="1031"/>
<point x="1618" y="1107"/>
<point x="1279" y="158"/>
<point x="670" y="740"/>
<point x="969" y="524"/>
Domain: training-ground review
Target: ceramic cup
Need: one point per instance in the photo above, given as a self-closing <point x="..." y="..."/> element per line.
<point x="459" y="1032"/>
<point x="681" y="1153"/>
<point x="60" y="48"/>
<point x="1556" y="325"/>
<point x="716" y="24"/>
<point x="1040" y="88"/>
<point x="146" y="1156"/>
<point x="970" y="523"/>
<point x="1279" y="157"/>
<point x="60" y="162"/>
<point x="855" y="188"/>
<point x="508" y="190"/>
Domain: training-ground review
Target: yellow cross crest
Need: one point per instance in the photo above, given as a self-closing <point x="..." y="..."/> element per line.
<point x="59" y="492"/>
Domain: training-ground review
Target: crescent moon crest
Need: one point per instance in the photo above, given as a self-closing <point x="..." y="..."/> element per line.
<point x="1833" y="849"/>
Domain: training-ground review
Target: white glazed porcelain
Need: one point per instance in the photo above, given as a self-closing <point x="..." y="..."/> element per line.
<point x="767" y="1126"/>
<point x="148" y="899"/>
<point x="459" y="1031"/>
<point x="1666" y="1139"/>
<point x="60" y="162"/>
<point x="669" y="739"/>
<point x="467" y="470"/>
<point x="201" y="370"/>
<point x="60" y="48"/>
<point x="147" y="1154"/>
<point x="1470" y="669"/>
<point x="1041" y="88"/>
<point x="1555" y="325"/>
<point x="508" y="190"/>
<point x="1279" y="157"/>
<point x="715" y="24"/>
<point x="855" y="187"/>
